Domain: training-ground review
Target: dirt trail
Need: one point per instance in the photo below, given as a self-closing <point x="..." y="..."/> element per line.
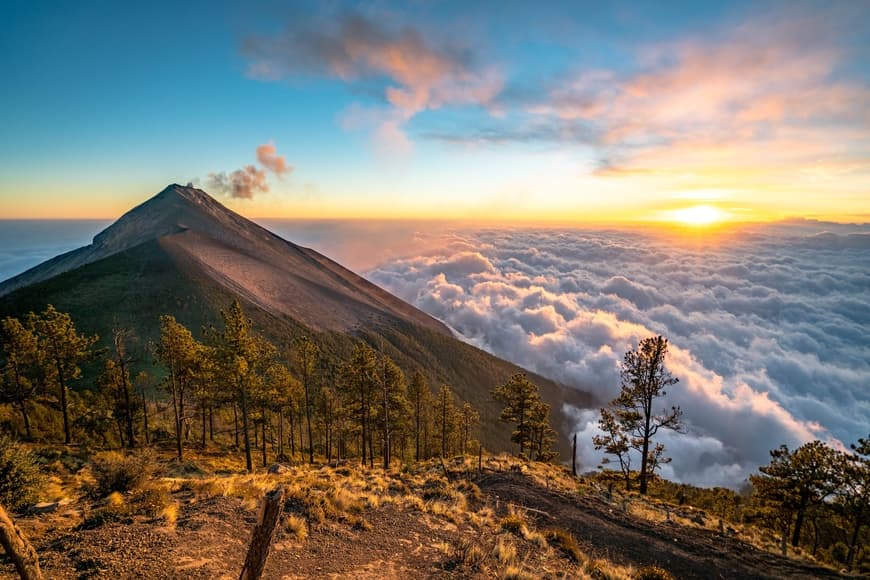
<point x="608" y="533"/>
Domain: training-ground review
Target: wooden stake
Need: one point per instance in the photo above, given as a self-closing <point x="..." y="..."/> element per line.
<point x="261" y="538"/>
<point x="19" y="550"/>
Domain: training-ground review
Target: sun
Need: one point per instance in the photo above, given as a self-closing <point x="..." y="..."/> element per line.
<point x="698" y="215"/>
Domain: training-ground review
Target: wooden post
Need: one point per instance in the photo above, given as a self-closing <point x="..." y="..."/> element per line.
<point x="261" y="538"/>
<point x="574" y="457"/>
<point x="18" y="549"/>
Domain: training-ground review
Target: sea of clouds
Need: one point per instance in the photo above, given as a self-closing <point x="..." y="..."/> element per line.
<point x="768" y="327"/>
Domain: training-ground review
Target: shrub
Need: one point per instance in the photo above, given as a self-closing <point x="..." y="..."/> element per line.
<point x="471" y="554"/>
<point x="151" y="500"/>
<point x="513" y="523"/>
<point x="652" y="573"/>
<point x="116" y="472"/>
<point x="21" y="480"/>
<point x="565" y="543"/>
<point x="297" y="527"/>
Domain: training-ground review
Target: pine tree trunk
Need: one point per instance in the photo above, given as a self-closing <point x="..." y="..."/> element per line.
<point x="644" y="459"/>
<point x="417" y="426"/>
<point x="145" y="420"/>
<point x="128" y="407"/>
<point x="853" y="545"/>
<point x="799" y="520"/>
<point x="202" y="420"/>
<point x="67" y="438"/>
<point x="246" y="434"/>
<point x="264" y="439"/>
<point x="177" y="411"/>
<point x="292" y="436"/>
<point x="236" y="425"/>
<point x="308" y="421"/>
<point x="281" y="432"/>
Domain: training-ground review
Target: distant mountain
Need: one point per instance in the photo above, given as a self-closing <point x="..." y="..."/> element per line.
<point x="183" y="253"/>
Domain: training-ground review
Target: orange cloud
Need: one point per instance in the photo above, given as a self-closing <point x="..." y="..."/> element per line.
<point x="355" y="48"/>
<point x="760" y="103"/>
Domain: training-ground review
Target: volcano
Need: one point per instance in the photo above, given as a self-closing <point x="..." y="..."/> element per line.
<point x="183" y="253"/>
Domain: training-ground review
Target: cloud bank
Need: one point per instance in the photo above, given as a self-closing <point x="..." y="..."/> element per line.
<point x="767" y="329"/>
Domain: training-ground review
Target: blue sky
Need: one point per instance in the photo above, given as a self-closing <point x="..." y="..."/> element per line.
<point x="435" y="109"/>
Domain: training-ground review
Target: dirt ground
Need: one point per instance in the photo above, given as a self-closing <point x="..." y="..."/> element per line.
<point x="210" y="535"/>
<point x="605" y="531"/>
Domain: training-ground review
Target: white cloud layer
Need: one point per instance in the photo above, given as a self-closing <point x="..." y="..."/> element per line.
<point x="768" y="329"/>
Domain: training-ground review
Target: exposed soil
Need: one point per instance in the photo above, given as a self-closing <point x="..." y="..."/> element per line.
<point x="605" y="531"/>
<point x="210" y="535"/>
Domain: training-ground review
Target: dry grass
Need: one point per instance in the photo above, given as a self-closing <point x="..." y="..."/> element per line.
<point x="340" y="500"/>
<point x="505" y="551"/>
<point x="563" y="541"/>
<point x="514" y="522"/>
<point x="517" y="573"/>
<point x="297" y="527"/>
<point x="170" y="514"/>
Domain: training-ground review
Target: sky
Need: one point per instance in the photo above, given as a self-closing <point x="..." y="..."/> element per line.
<point x="695" y="169"/>
<point x="582" y="112"/>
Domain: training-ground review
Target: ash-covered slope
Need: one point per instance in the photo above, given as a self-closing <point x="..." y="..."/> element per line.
<point x="268" y="271"/>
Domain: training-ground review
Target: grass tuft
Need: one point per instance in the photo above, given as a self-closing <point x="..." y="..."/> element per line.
<point x="563" y="541"/>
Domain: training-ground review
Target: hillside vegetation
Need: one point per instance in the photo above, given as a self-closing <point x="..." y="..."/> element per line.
<point x="354" y="443"/>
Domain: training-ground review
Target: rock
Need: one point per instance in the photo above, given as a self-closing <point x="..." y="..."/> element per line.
<point x="45" y="507"/>
<point x="277" y="469"/>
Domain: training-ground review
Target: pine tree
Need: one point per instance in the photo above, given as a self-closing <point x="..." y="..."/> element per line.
<point x="420" y="397"/>
<point x="394" y="408"/>
<point x="470" y="421"/>
<point x="446" y="419"/>
<point x="520" y="396"/>
<point x="543" y="436"/>
<point x="614" y="441"/>
<point x="359" y="385"/>
<point x="852" y="497"/>
<point x="644" y="379"/>
<point x="20" y="368"/>
<point x="305" y="353"/>
<point x="64" y="349"/>
<point x="241" y="358"/>
<point x="795" y="481"/>
<point x="181" y="354"/>
<point x="120" y="342"/>
<point x="143" y="383"/>
<point x="110" y="382"/>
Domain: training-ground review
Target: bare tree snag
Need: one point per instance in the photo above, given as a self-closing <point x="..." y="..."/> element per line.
<point x="18" y="549"/>
<point x="261" y="538"/>
<point x="574" y="456"/>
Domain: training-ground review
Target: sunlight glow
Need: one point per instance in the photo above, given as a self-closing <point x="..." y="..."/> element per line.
<point x="698" y="215"/>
